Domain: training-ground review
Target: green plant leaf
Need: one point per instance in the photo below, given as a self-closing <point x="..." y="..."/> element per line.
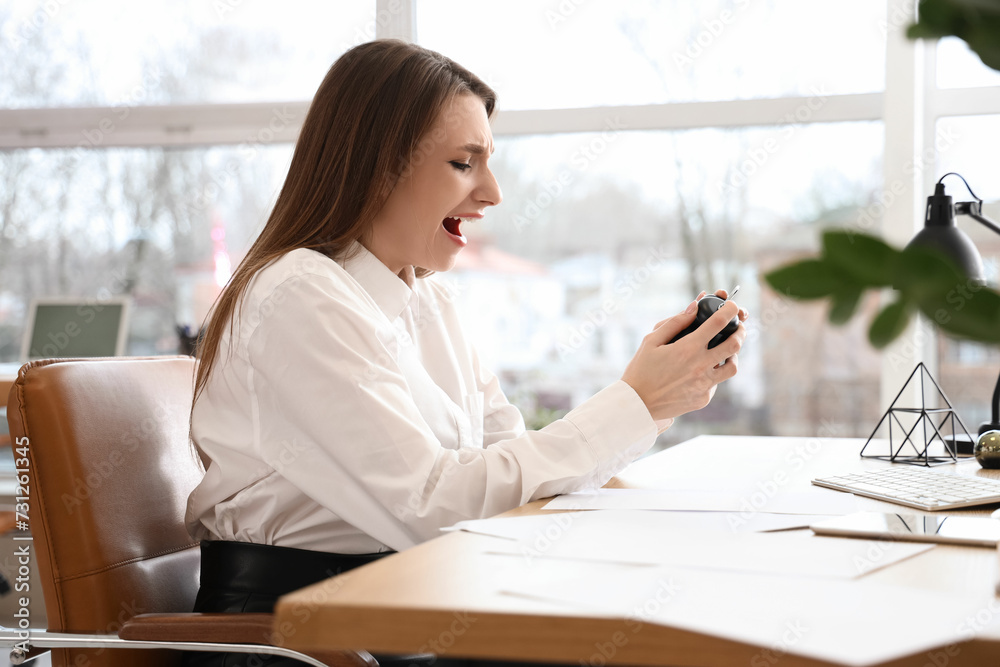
<point x="936" y="18"/>
<point x="868" y="260"/>
<point x="977" y="22"/>
<point x="808" y="279"/>
<point x="969" y="311"/>
<point x="926" y="280"/>
<point x="843" y="304"/>
<point x="889" y="324"/>
<point x="983" y="41"/>
<point x="926" y="276"/>
<point x="922" y="31"/>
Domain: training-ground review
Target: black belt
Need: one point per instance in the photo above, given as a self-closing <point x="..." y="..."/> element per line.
<point x="245" y="577"/>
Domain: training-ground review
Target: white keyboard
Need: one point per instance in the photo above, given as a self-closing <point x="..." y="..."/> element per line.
<point x="917" y="487"/>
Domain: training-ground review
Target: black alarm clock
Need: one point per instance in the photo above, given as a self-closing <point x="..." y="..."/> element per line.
<point x="707" y="306"/>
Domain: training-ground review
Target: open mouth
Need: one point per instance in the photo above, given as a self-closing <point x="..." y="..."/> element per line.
<point x="452" y="226"/>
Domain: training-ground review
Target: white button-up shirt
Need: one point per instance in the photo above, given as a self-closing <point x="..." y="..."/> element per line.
<point x="348" y="413"/>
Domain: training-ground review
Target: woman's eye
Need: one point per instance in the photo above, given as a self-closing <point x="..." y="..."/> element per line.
<point x="461" y="166"/>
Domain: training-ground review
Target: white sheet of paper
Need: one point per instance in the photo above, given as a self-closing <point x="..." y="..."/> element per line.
<point x="669" y="538"/>
<point x="533" y="527"/>
<point x="775" y="612"/>
<point x="814" y="500"/>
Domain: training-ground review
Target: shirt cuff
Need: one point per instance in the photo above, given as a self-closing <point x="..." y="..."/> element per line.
<point x="617" y="426"/>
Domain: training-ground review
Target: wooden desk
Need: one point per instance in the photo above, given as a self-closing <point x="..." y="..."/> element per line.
<point x="444" y="596"/>
<point x="5" y="384"/>
<point x="8" y="373"/>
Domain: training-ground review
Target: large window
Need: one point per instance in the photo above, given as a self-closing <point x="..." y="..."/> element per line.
<point x="579" y="54"/>
<point x="623" y="226"/>
<point x="120" y="53"/>
<point x="621" y="229"/>
<point x="163" y="226"/>
<point x="959" y="67"/>
<point x="646" y="150"/>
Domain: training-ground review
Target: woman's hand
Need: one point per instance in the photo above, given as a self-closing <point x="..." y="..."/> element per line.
<point x="675" y="378"/>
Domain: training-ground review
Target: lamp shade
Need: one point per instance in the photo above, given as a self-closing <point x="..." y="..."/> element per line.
<point x="941" y="233"/>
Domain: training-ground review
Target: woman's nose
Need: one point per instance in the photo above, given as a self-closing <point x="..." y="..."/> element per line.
<point x="489" y="190"/>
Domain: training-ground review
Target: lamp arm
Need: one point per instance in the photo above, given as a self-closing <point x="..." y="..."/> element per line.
<point x="986" y="222"/>
<point x="974" y="209"/>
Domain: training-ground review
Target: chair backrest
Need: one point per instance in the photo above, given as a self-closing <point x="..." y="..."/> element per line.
<point x="110" y="465"/>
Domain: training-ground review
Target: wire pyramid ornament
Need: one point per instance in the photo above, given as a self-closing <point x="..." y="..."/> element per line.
<point x="928" y="417"/>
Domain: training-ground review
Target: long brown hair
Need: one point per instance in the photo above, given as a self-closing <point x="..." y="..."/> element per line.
<point x="361" y="133"/>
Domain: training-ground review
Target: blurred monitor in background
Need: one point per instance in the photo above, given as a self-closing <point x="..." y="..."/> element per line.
<point x="76" y="327"/>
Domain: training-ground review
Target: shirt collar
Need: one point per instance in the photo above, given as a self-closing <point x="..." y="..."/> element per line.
<point x="390" y="292"/>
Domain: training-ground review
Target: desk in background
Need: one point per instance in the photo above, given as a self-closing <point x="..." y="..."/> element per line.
<point x="8" y="373"/>
<point x="445" y="595"/>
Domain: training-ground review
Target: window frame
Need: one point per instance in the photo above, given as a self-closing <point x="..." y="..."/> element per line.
<point x="909" y="108"/>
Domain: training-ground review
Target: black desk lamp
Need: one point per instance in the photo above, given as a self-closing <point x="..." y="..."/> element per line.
<point x="940" y="232"/>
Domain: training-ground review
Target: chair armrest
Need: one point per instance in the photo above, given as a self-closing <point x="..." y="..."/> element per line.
<point x="226" y="629"/>
<point x="191" y="627"/>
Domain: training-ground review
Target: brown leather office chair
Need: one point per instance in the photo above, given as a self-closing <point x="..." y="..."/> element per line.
<point x="110" y="466"/>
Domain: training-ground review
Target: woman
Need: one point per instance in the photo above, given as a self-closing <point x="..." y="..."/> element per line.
<point x="340" y="410"/>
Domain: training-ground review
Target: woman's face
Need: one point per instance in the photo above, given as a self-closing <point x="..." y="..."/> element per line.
<point x="446" y="186"/>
